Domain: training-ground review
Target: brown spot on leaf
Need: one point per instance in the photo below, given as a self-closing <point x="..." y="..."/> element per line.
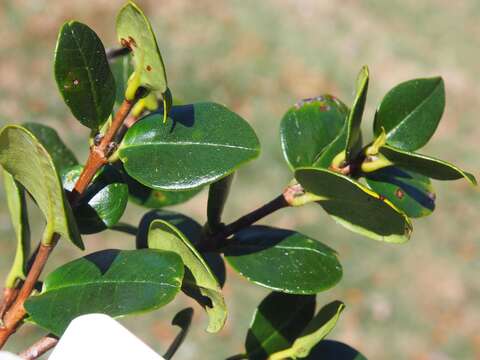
<point x="324" y="107"/>
<point x="132" y="41"/>
<point x="149" y="68"/>
<point x="381" y="197"/>
<point x="399" y="193"/>
<point x="128" y="43"/>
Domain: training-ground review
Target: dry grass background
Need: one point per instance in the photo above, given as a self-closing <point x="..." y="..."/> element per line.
<point x="416" y="301"/>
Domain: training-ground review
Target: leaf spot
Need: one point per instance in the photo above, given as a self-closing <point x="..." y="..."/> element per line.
<point x="149" y="68"/>
<point x="399" y="194"/>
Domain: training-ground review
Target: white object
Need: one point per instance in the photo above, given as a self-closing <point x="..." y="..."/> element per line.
<point x="99" y="337"/>
<point x="5" y="355"/>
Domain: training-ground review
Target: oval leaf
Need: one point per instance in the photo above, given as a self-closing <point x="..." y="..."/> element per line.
<point x="83" y="75"/>
<point x="283" y="260"/>
<point x="200" y="144"/>
<point x="17" y="208"/>
<point x="277" y="322"/>
<point x="61" y="155"/>
<point x="410" y="192"/>
<point x="23" y="156"/>
<point x="111" y="282"/>
<point x="426" y="165"/>
<point x="410" y="113"/>
<point x="135" y="32"/>
<point x="104" y="202"/>
<point x="355" y="116"/>
<point x="198" y="276"/>
<point x="356" y="207"/>
<point x="309" y="126"/>
<point x="320" y="326"/>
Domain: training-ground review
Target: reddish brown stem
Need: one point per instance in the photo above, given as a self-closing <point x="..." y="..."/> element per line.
<point x="17" y="311"/>
<point x="39" y="348"/>
<point x="100" y="153"/>
<point x="9" y="296"/>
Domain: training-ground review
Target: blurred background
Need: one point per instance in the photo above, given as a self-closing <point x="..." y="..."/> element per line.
<point x="416" y="301"/>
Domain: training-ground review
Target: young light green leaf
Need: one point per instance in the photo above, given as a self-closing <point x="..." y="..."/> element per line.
<point x="217" y="197"/>
<point x="277" y="322"/>
<point x="61" y="155"/>
<point x="104" y="202"/>
<point x="283" y="260"/>
<point x="112" y="282"/>
<point x="309" y="126"/>
<point x="355" y="116"/>
<point x="356" y="207"/>
<point x="17" y="208"/>
<point x="135" y="32"/>
<point x="410" y="113"/>
<point x="24" y="157"/>
<point x="320" y="326"/>
<point x="198" y="276"/>
<point x="408" y="191"/>
<point x="83" y="75"/>
<point x="200" y="144"/>
<point x="426" y="165"/>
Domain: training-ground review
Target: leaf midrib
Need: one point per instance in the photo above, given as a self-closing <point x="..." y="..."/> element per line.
<point x="189" y="143"/>
<point x="57" y="288"/>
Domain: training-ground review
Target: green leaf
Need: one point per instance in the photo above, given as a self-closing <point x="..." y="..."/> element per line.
<point x="356" y="207"/>
<point x="198" y="276"/>
<point x="122" y="68"/>
<point x="104" y="202"/>
<point x="426" y="165"/>
<point x="283" y="260"/>
<point x="410" y="113"/>
<point x="320" y="326"/>
<point x="200" y="144"/>
<point x="217" y="197"/>
<point x="17" y="208"/>
<point x="410" y="192"/>
<point x="24" y="157"/>
<point x="309" y="126"/>
<point x="112" y="282"/>
<point x="277" y="322"/>
<point x="355" y="116"/>
<point x="61" y="155"/>
<point x="334" y="350"/>
<point x="135" y="32"/>
<point x="83" y="75"/>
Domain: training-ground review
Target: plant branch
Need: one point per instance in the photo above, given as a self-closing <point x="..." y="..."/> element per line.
<point x="17" y="311"/>
<point x="284" y="200"/>
<point x="99" y="153"/>
<point x="98" y="157"/>
<point x="39" y="348"/>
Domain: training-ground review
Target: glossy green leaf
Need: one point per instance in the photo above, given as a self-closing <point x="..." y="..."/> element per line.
<point x="320" y="326"/>
<point x="356" y="207"/>
<point x="334" y="350"/>
<point x="410" y="113"/>
<point x="112" y="282"/>
<point x="277" y="322"/>
<point x="190" y="228"/>
<point x="104" y="202"/>
<point x="61" y="155"/>
<point x="17" y="208"/>
<point x="200" y="144"/>
<point x="426" y="165"/>
<point x="83" y="75"/>
<point x="122" y="68"/>
<point x="309" y="126"/>
<point x="283" y="260"/>
<point x="135" y="32"/>
<point x="24" y="157"/>
<point x="217" y="197"/>
<point x="198" y="276"/>
<point x="355" y="116"/>
<point x="408" y="191"/>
